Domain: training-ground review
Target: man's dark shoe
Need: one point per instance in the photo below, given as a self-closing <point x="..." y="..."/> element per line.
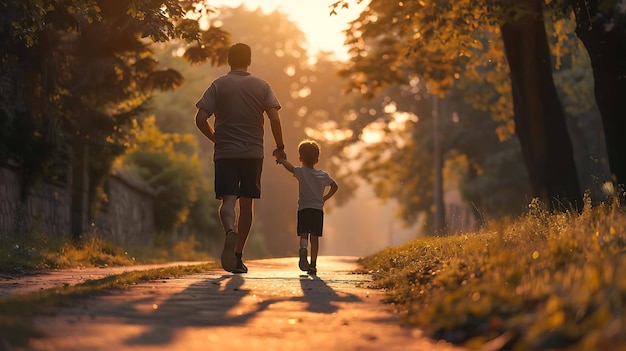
<point x="312" y="270"/>
<point x="229" y="261"/>
<point x="303" y="263"/>
<point x="240" y="268"/>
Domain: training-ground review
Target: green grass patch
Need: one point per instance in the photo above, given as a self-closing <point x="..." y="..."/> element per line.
<point x="544" y="281"/>
<point x="16" y="312"/>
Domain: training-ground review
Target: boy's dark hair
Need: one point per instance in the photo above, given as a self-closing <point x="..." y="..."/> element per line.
<point x="309" y="151"/>
<point x="239" y="55"/>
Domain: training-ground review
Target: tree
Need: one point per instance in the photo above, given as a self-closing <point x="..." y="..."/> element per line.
<point x="170" y="164"/>
<point x="601" y="28"/>
<point x="539" y="117"/>
<point x="75" y="73"/>
<point x="448" y="37"/>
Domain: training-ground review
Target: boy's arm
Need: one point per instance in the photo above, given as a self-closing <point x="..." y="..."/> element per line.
<point x="332" y="191"/>
<point x="288" y="166"/>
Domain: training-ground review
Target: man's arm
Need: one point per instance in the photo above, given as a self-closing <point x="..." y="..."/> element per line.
<point x="332" y="191"/>
<point x="203" y="124"/>
<point x="277" y="132"/>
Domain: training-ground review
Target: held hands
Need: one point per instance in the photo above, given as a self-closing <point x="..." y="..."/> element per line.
<point x="280" y="155"/>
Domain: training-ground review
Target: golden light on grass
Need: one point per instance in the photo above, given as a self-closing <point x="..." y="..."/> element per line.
<point x="566" y="292"/>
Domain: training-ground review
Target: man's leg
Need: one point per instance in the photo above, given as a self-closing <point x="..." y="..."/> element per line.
<point x="227" y="217"/>
<point x="315" y="246"/>
<point x="246" y="216"/>
<point x="303" y="263"/>
<point x="227" y="212"/>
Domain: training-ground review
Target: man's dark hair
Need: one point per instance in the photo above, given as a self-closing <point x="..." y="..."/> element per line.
<point x="239" y="55"/>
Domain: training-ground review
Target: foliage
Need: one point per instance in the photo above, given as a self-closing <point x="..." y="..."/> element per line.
<point x="169" y="163"/>
<point x="455" y="48"/>
<point x="78" y="72"/>
<point x="543" y="281"/>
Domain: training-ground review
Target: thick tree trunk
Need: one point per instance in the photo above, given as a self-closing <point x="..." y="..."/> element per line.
<point x="539" y="117"/>
<point x="606" y="47"/>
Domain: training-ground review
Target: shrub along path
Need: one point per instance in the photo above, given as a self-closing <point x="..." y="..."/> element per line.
<point x="273" y="307"/>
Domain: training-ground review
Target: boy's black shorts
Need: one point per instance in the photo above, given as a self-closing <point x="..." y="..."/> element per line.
<point x="310" y="220"/>
<point x="238" y="176"/>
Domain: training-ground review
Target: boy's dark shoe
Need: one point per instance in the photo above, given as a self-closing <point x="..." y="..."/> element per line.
<point x="312" y="270"/>
<point x="229" y="261"/>
<point x="240" y="268"/>
<point x="304" y="263"/>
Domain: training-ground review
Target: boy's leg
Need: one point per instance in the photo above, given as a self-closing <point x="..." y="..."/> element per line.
<point x="303" y="263"/>
<point x="315" y="245"/>
<point x="316" y="233"/>
<point x="227" y="217"/>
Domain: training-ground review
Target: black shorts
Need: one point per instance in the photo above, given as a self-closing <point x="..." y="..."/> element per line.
<point x="238" y="176"/>
<point x="310" y="221"/>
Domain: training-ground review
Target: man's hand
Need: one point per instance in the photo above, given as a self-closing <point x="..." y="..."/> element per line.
<point x="279" y="154"/>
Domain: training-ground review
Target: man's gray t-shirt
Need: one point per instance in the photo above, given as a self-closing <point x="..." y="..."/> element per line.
<point x="238" y="100"/>
<point x="311" y="185"/>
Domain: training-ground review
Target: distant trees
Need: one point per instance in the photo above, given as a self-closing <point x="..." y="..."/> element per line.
<point x="440" y="41"/>
<point x="170" y="164"/>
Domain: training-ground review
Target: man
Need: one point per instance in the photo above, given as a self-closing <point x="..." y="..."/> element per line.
<point x="238" y="100"/>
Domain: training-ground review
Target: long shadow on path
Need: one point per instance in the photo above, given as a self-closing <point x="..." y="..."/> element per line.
<point x="230" y="300"/>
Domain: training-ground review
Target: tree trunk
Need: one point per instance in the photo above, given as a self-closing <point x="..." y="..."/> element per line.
<point x="439" y="217"/>
<point x="606" y="47"/>
<point x="79" y="185"/>
<point x="538" y="114"/>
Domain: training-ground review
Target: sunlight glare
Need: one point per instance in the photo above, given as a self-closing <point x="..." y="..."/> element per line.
<point x="323" y="31"/>
<point x="390" y="107"/>
<point x="290" y="70"/>
<point x="374" y="132"/>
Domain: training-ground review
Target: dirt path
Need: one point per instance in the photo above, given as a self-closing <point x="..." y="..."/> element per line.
<point x="273" y="307"/>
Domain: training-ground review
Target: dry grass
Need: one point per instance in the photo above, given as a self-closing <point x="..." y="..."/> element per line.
<point x="37" y="253"/>
<point x="545" y="281"/>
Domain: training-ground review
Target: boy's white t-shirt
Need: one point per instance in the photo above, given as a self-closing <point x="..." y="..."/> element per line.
<point x="311" y="184"/>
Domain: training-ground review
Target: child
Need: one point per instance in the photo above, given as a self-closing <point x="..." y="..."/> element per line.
<point x="312" y="184"/>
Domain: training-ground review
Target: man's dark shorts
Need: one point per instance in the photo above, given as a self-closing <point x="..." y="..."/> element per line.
<point x="238" y="176"/>
<point x="310" y="220"/>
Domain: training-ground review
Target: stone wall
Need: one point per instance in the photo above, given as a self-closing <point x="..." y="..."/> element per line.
<point x="47" y="209"/>
<point x="127" y="218"/>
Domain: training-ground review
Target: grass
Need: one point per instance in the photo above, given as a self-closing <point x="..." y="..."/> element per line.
<point x="544" y="281"/>
<point x="19" y="256"/>
<point x="16" y="312"/>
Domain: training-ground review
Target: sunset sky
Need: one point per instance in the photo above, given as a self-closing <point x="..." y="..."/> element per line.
<point x="323" y="31"/>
